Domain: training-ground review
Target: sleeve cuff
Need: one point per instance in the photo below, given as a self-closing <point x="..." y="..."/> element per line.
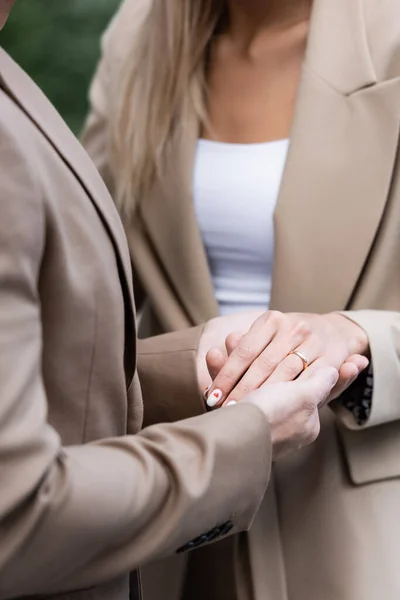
<point x="168" y="377"/>
<point x="383" y="330"/>
<point x="357" y="399"/>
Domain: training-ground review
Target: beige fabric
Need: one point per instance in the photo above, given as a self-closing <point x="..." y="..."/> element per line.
<point x="82" y="503"/>
<point x="329" y="527"/>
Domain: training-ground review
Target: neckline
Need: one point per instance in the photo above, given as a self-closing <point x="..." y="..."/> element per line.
<point x="237" y="146"/>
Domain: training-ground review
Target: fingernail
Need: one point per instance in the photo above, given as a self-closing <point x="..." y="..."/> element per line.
<point x="215" y="397"/>
<point x="231" y="403"/>
<point x="205" y="393"/>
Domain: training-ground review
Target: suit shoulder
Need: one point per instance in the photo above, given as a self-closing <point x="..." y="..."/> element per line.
<point x="14" y="127"/>
<point x="383" y="37"/>
<point x="124" y="27"/>
<point x="21" y="200"/>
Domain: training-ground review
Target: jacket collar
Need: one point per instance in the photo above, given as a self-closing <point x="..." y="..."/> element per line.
<point x="337" y="179"/>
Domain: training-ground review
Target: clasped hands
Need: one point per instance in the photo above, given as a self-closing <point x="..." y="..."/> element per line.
<point x="256" y="364"/>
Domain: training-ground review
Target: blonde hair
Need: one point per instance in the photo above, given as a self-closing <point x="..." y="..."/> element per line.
<point x="164" y="77"/>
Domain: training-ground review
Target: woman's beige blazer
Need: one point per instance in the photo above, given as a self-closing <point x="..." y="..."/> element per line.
<point x="329" y="528"/>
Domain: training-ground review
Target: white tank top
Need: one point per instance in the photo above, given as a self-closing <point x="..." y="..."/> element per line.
<point x="236" y="187"/>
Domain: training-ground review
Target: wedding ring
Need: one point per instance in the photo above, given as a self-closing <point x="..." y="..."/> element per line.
<point x="302" y="358"/>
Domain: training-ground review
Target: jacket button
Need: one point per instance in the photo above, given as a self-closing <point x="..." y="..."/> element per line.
<point x="207" y="537"/>
<point x="226" y="528"/>
<point x="193" y="544"/>
<point x="214" y="534"/>
<point x="185" y="548"/>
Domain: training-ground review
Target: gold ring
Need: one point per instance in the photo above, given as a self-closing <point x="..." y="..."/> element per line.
<point x="302" y="358"/>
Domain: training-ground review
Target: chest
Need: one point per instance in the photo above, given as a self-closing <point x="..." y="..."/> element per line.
<point x="252" y="98"/>
<point x="83" y="310"/>
<point x="235" y="189"/>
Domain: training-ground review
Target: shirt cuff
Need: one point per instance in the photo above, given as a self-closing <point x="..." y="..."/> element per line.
<point x="357" y="399"/>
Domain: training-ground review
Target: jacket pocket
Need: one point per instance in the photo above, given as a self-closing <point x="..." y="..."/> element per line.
<point x="372" y="454"/>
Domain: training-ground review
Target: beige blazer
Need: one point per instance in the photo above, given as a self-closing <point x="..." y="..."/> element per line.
<point x="82" y="503"/>
<point x="329" y="528"/>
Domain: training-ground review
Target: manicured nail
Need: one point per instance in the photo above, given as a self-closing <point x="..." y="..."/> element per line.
<point x="205" y="393"/>
<point x="215" y="397"/>
<point x="231" y="403"/>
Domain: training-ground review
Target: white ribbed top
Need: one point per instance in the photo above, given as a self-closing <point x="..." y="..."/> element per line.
<point x="236" y="187"/>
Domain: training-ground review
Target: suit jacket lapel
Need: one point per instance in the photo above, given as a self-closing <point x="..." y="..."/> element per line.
<point x="169" y="215"/>
<point x="31" y="100"/>
<point x="337" y="179"/>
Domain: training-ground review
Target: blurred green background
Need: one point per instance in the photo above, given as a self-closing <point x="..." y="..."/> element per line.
<point x="57" y="43"/>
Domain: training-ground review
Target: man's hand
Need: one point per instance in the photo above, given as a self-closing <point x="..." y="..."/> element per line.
<point x="292" y="407"/>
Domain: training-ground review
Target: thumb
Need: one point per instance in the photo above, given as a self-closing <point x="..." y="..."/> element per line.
<point x="215" y="360"/>
<point x="320" y="380"/>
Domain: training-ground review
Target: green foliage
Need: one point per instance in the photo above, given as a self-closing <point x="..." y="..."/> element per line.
<point x="57" y="43"/>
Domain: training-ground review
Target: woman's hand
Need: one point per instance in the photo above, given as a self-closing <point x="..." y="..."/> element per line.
<point x="264" y="353"/>
<point x="214" y="336"/>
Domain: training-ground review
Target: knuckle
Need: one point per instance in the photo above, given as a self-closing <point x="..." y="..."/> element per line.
<point x="233" y="339"/>
<point x="317" y="345"/>
<point x="261" y="321"/>
<point x="302" y="329"/>
<point x="313" y="432"/>
<point x="276" y="317"/>
<point x="309" y="404"/>
<point x="309" y="430"/>
<point x="225" y="379"/>
<point x="265" y="317"/>
<point x="244" y="353"/>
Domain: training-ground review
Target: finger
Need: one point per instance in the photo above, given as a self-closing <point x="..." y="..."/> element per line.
<point x="348" y="371"/>
<point x="232" y="341"/>
<point x="273" y="356"/>
<point x="315" y="367"/>
<point x="340" y="388"/>
<point x="215" y="360"/>
<point x="312" y="389"/>
<point x="292" y="366"/>
<point x="319" y="383"/>
<point x="348" y="374"/>
<point x="249" y="348"/>
<point x="361" y="362"/>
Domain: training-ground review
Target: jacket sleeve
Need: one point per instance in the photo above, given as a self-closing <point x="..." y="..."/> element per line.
<point x="73" y="517"/>
<point x="168" y="377"/>
<point x="383" y="330"/>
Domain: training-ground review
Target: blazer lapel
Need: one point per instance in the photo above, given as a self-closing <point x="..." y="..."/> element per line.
<point x="31" y="100"/>
<point x="169" y="215"/>
<point x="337" y="180"/>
